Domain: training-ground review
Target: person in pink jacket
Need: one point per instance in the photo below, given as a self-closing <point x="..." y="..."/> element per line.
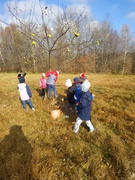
<point x="43" y="86"/>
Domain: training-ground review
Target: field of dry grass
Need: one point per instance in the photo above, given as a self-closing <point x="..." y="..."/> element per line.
<point x="34" y="146"/>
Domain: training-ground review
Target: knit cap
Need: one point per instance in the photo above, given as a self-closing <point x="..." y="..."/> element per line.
<point x="22" y="79"/>
<point x="76" y="80"/>
<point x="82" y="75"/>
<point x="85" y="86"/>
<point x="68" y="83"/>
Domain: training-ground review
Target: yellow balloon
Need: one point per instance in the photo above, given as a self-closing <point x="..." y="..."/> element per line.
<point x="76" y="34"/>
<point x="68" y="49"/>
<point x="98" y="42"/>
<point x="33" y="43"/>
<point x="49" y="36"/>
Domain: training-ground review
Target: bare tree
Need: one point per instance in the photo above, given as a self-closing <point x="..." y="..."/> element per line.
<point x="126" y="37"/>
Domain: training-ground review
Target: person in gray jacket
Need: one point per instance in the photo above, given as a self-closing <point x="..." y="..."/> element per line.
<point x="51" y="85"/>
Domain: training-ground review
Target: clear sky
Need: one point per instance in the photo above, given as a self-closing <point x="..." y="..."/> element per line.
<point x="120" y="11"/>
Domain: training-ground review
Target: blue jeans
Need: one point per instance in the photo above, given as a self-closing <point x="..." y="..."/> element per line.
<point x="50" y="89"/>
<point x="29" y="102"/>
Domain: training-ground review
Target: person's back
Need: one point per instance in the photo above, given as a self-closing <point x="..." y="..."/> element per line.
<point x="25" y="93"/>
<point x="70" y="94"/>
<point x="42" y="81"/>
<point x="84" y="108"/>
<point x="85" y="105"/>
<point x="70" y="97"/>
<point x="43" y="86"/>
<point x="51" y="84"/>
<point x="51" y="79"/>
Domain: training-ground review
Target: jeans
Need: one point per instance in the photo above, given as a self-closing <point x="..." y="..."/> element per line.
<point x="29" y="102"/>
<point x="50" y="89"/>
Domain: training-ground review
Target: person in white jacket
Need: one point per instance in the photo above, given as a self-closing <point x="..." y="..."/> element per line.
<point x="25" y="94"/>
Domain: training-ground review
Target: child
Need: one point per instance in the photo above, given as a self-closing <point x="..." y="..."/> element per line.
<point x="43" y="86"/>
<point x="84" y="108"/>
<point x="51" y="85"/>
<point x="25" y="93"/>
<point x="70" y="96"/>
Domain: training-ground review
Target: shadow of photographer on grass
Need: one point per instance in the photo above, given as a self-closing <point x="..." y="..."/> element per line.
<point x="15" y="155"/>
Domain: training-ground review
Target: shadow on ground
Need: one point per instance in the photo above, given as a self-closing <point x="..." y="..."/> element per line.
<point x="15" y="156"/>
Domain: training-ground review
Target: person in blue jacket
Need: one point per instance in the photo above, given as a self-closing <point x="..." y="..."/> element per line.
<point x="77" y="95"/>
<point x="84" y="108"/>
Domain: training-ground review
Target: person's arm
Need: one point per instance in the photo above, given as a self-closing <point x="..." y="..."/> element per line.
<point x="28" y="91"/>
<point x="24" y="74"/>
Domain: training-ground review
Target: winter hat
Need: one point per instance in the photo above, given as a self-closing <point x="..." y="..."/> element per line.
<point x="76" y="80"/>
<point x="43" y="74"/>
<point x="19" y="75"/>
<point x="85" y="86"/>
<point x="82" y="75"/>
<point x="22" y="79"/>
<point x="68" y="83"/>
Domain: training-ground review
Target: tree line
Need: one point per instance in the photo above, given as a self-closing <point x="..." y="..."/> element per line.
<point x="68" y="43"/>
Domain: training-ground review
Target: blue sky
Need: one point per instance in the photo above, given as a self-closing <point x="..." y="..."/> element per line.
<point x="120" y="11"/>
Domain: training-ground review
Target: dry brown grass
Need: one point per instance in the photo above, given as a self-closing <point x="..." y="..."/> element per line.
<point x="33" y="146"/>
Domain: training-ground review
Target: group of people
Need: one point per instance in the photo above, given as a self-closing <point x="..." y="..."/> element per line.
<point x="78" y="96"/>
<point x="48" y="84"/>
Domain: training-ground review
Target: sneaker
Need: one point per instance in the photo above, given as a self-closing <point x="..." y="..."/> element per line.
<point x="66" y="117"/>
<point x="33" y="109"/>
<point x="75" y="131"/>
<point x="56" y="96"/>
<point x="43" y="97"/>
<point x="91" y="130"/>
